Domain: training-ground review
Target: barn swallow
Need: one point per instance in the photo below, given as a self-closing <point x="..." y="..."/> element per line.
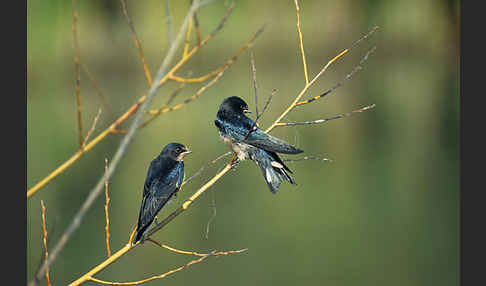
<point x="248" y="141"/>
<point x="164" y="179"/>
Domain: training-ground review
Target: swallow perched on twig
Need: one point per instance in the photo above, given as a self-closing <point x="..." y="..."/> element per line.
<point x="164" y="179"/>
<point x="248" y="141"/>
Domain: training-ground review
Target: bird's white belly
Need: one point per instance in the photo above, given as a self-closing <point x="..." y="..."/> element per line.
<point x="241" y="149"/>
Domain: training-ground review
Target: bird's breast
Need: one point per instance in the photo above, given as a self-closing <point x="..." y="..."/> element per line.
<point x="241" y="149"/>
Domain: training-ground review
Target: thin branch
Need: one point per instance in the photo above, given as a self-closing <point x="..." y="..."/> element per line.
<point x="253" y="70"/>
<point x="185" y="252"/>
<point x="98" y="89"/>
<point x="318" y="121"/>
<point x="185" y="266"/>
<point x="305" y="158"/>
<point x="175" y="250"/>
<point x="339" y="84"/>
<point x="93" y="125"/>
<point x="364" y="37"/>
<point x="212" y="162"/>
<point x="195" y="261"/>
<point x="213" y="215"/>
<point x="168" y="22"/>
<point x="107" y="215"/>
<point x="94" y="193"/>
<point x="301" y="44"/>
<point x="267" y="103"/>
<point x="78" y="72"/>
<point x="225" y="18"/>
<point x="44" y="239"/>
<point x="137" y="43"/>
<point x="188" y="37"/>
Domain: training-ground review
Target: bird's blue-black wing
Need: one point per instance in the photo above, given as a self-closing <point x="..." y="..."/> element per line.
<point x="243" y="129"/>
<point x="256" y="137"/>
<point x="267" y="142"/>
<point x="158" y="190"/>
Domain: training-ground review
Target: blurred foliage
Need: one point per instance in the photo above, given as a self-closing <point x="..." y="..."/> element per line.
<point x="384" y="212"/>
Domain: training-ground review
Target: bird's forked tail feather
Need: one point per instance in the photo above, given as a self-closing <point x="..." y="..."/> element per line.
<point x="273" y="169"/>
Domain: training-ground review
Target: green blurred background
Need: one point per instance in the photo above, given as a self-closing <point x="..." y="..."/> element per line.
<point x="384" y="212"/>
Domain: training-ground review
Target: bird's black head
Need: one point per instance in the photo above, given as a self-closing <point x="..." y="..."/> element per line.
<point x="234" y="104"/>
<point x="176" y="151"/>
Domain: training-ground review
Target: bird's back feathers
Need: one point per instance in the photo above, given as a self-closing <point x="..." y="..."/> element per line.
<point x="164" y="179"/>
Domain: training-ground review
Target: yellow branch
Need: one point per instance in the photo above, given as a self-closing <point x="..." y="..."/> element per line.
<point x="188" y="37"/>
<point x="150" y="278"/>
<point x="137" y="43"/>
<point x="44" y="240"/>
<point x="104" y="264"/>
<point x="301" y="44"/>
<point x="107" y="215"/>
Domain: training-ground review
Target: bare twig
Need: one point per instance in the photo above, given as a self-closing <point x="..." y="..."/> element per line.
<point x="195" y="261"/>
<point x="301" y="44"/>
<point x="198" y="260"/>
<point x="137" y="43"/>
<point x="318" y="121"/>
<point x="213" y="215"/>
<point x="107" y="215"/>
<point x="78" y="72"/>
<point x="92" y="128"/>
<point x="225" y="18"/>
<point x="96" y="86"/>
<point x="94" y="193"/>
<point x="168" y="22"/>
<point x="185" y="252"/>
<point x="253" y="70"/>
<point x="267" y="103"/>
<point x="305" y="158"/>
<point x="348" y="76"/>
<point x="188" y="37"/>
<point x="175" y="250"/>
<point x="44" y="239"/>
<point x="204" y="167"/>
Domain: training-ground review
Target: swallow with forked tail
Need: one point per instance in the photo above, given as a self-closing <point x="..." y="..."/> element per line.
<point x="249" y="142"/>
